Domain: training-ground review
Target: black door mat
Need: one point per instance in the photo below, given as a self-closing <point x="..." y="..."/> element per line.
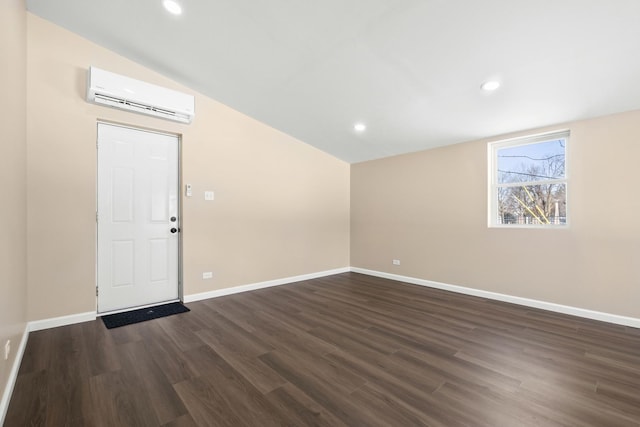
<point x="143" y="314"/>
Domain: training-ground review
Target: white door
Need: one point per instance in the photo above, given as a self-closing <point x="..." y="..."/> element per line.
<point x="137" y="218"/>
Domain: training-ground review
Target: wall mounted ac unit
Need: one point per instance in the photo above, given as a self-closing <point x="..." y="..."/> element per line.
<point x="114" y="90"/>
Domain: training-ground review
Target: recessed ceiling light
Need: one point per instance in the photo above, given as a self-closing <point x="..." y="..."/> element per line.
<point x="172" y="7"/>
<point x="359" y="127"/>
<point x="490" y="85"/>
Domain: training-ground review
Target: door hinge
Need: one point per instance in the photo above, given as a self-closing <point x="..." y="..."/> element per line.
<point x="96" y="216"/>
<point x="96" y="291"/>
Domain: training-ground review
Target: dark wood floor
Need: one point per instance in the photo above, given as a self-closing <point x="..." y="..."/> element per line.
<point x="346" y="350"/>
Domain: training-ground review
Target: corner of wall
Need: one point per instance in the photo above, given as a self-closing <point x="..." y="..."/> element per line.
<point x="13" y="267"/>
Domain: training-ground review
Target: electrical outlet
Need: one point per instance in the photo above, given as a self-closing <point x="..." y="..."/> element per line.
<point x="396" y="262"/>
<point x="207" y="275"/>
<point x="7" y="349"/>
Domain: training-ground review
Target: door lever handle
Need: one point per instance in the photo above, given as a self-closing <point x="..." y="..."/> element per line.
<point x="174" y="230"/>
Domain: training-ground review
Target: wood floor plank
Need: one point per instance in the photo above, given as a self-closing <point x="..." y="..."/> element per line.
<point x="619" y="395"/>
<point x="232" y="393"/>
<point x="138" y="362"/>
<point x="355" y="341"/>
<point x="29" y="400"/>
<point x="182" y="421"/>
<point x="300" y="409"/>
<point x="387" y="411"/>
<point x="207" y="406"/>
<point x="343" y="350"/>
<point x="68" y="387"/>
<point x="331" y="397"/>
<point x="37" y="359"/>
<point x="118" y="400"/>
<point x="170" y="359"/>
<point x="181" y="330"/>
<point x="575" y="408"/>
<point x="98" y="345"/>
<point x="249" y="365"/>
<point x="414" y="393"/>
<point x="458" y="370"/>
<point x="287" y="335"/>
<point x="223" y="333"/>
<point x="489" y="408"/>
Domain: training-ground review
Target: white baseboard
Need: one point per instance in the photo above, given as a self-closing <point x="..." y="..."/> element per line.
<point x="13" y="375"/>
<point x="37" y="325"/>
<point x="558" y="308"/>
<point x="262" y="285"/>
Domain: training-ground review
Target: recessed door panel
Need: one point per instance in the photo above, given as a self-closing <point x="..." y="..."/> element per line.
<point x="159" y="253"/>
<point x="123" y="263"/>
<point x="122" y="194"/>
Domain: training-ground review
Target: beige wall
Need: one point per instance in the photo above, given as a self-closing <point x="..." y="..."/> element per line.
<point x="429" y="209"/>
<point x="281" y="207"/>
<point x="13" y="289"/>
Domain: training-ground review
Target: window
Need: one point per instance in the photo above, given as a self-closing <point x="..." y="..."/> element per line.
<point x="528" y="181"/>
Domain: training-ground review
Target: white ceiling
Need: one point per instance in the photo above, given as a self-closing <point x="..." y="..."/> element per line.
<point x="410" y="69"/>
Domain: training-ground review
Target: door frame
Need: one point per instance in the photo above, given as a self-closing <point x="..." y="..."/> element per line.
<point x="178" y="136"/>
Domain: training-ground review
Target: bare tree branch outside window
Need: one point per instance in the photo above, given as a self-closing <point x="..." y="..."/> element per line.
<point x="541" y="197"/>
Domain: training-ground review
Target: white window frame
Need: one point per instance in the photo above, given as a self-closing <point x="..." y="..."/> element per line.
<point x="492" y="154"/>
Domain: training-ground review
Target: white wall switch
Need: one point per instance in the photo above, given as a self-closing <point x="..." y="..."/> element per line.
<point x="208" y="195"/>
<point x="396" y="262"/>
<point x="207" y="275"/>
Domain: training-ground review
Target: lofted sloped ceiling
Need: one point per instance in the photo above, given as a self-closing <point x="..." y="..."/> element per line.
<point x="411" y="70"/>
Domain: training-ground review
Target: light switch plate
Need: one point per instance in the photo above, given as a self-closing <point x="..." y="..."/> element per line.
<point x="208" y="195"/>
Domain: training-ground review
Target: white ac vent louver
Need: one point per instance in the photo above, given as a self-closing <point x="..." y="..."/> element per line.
<point x="117" y="91"/>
